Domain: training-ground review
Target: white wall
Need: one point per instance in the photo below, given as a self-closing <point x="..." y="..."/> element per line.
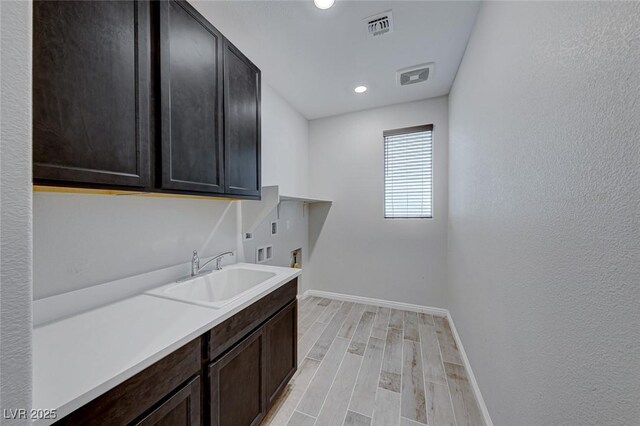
<point x="15" y="208"/>
<point x="285" y="145"/>
<point x="544" y="235"/>
<point x="357" y="251"/>
<point x="82" y="240"/>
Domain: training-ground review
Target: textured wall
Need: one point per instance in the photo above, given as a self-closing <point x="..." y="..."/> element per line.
<point x="544" y="225"/>
<point x="15" y="208"/>
<point x="354" y="250"/>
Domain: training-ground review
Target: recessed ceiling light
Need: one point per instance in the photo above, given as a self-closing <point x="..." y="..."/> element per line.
<point x="360" y="89"/>
<point x="323" y="4"/>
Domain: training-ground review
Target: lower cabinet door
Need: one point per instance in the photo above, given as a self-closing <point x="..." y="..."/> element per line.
<point x="282" y="359"/>
<point x="237" y="384"/>
<point x="181" y="409"/>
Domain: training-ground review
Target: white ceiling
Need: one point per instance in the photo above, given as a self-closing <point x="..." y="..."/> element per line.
<point x="314" y="58"/>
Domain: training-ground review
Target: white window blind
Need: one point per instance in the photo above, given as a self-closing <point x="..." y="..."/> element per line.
<point x="408" y="173"/>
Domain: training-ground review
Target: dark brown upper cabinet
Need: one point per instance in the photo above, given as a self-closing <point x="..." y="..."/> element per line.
<point x="142" y="96"/>
<point x="191" y="148"/>
<point x="91" y="94"/>
<point x="242" y="123"/>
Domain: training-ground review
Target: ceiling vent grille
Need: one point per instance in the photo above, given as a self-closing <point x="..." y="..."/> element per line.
<point x="414" y="74"/>
<point x="379" y="24"/>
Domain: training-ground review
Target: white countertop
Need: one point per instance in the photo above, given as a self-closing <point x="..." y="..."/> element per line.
<point x="81" y="357"/>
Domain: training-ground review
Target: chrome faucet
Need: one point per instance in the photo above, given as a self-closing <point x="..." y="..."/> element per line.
<point x="195" y="262"/>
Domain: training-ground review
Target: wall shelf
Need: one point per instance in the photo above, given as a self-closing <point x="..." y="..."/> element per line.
<point x="254" y="212"/>
<point x="306" y="200"/>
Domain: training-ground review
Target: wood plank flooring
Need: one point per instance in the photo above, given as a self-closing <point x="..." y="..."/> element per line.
<point x="364" y="365"/>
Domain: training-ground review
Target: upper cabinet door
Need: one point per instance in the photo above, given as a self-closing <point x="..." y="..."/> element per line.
<point x="191" y="150"/>
<point x="242" y="123"/>
<point x="91" y="93"/>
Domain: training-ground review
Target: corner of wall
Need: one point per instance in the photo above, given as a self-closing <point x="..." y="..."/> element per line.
<point x="15" y="208"/>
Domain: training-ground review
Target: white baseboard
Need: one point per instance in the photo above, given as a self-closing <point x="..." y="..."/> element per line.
<point x="472" y="377"/>
<point x="415" y="308"/>
<point x="378" y="302"/>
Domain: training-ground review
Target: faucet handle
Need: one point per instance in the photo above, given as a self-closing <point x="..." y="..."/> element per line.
<point x="195" y="264"/>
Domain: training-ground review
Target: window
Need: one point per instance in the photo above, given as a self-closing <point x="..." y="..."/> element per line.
<point x="408" y="173"/>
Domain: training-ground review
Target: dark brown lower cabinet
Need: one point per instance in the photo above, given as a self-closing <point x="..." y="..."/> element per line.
<point x="237" y="383"/>
<point x="230" y="376"/>
<point x="282" y="350"/>
<point x="181" y="409"/>
<point x="246" y="380"/>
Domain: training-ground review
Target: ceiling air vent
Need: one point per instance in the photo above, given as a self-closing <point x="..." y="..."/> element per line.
<point x="379" y="24"/>
<point x="414" y="74"/>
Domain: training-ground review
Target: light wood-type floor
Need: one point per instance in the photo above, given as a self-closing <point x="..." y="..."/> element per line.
<point x="365" y="365"/>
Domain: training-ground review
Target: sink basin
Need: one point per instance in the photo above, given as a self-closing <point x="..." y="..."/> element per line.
<point x="217" y="288"/>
